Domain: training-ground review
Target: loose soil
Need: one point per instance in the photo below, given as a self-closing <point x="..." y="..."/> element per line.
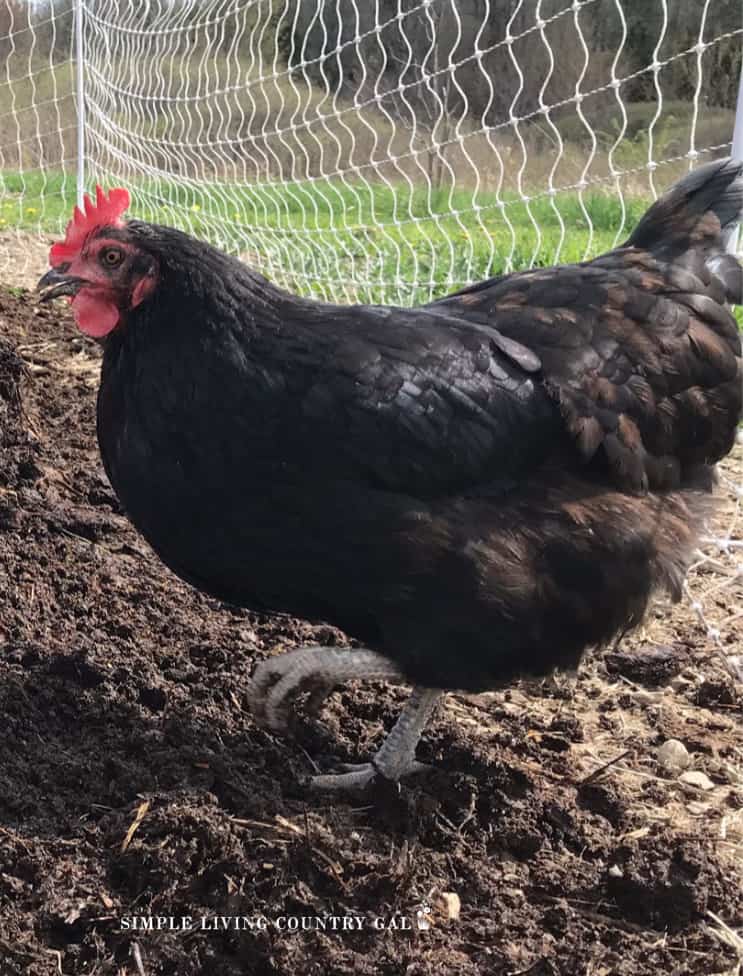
<point x="133" y="780"/>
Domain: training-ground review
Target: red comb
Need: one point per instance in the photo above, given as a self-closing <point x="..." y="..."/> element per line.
<point x="106" y="211"/>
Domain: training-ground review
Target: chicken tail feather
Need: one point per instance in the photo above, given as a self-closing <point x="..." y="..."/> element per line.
<point x="698" y="213"/>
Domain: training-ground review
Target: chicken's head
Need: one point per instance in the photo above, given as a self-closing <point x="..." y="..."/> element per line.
<point x="103" y="272"/>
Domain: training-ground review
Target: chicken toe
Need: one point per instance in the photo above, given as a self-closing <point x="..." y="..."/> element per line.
<point x="396" y="757"/>
<point x="279" y="679"/>
<point x="357" y="776"/>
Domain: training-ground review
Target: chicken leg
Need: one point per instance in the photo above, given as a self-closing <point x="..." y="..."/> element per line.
<point x="276" y="681"/>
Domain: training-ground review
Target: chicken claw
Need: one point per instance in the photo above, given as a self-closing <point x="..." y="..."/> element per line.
<point x="357" y="776"/>
<point x="396" y="757"/>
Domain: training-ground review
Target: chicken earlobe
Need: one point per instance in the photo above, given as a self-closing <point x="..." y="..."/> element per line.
<point x="276" y="681"/>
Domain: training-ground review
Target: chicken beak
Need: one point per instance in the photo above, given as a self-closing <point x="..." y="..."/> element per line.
<point x="56" y="283"/>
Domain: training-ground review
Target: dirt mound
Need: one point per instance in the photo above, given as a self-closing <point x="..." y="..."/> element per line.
<point x="133" y="781"/>
<point x="16" y="453"/>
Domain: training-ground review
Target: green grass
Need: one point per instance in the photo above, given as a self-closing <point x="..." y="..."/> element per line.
<point x="363" y="233"/>
<point x="306" y="234"/>
<point x="35" y="201"/>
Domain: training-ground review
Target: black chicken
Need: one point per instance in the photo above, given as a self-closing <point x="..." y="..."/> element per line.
<point x="476" y="489"/>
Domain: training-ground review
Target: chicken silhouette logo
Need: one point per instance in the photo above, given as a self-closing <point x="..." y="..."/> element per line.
<point x="423" y="917"/>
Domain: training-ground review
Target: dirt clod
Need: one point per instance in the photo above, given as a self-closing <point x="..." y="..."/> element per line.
<point x="654" y="664"/>
<point x="665" y="887"/>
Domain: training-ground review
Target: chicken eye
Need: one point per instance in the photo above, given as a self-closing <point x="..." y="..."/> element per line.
<point x="110" y="257"/>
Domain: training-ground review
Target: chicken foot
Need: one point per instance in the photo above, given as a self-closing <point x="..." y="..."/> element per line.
<point x="396" y="757"/>
<point x="277" y="680"/>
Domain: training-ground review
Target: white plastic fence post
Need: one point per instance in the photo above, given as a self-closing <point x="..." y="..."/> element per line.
<point x="737" y="152"/>
<point x="80" y="97"/>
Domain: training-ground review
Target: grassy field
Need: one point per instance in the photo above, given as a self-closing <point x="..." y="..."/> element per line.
<point x="349" y="242"/>
<point x="340" y="237"/>
<point x="313" y="233"/>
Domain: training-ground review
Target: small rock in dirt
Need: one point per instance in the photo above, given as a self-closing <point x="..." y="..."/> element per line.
<point x="673" y="757"/>
<point x="697" y="808"/>
<point x="681" y="682"/>
<point x="693" y="777"/>
<point x="654" y="664"/>
<point x="450" y="904"/>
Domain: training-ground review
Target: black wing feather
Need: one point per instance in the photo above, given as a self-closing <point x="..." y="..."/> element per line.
<point x="417" y="401"/>
<point x="644" y="361"/>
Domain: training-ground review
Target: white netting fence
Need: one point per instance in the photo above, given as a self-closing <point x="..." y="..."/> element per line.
<point x="375" y="150"/>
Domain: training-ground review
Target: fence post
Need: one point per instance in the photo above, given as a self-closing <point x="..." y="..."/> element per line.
<point x="737" y="153"/>
<point x="80" y="97"/>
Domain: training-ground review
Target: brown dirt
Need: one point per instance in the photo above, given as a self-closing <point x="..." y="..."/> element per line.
<point x="120" y="686"/>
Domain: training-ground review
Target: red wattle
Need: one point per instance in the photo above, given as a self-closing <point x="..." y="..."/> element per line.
<point x="95" y="316"/>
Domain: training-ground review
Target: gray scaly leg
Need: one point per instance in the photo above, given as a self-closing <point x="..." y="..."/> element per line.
<point x="277" y="680"/>
<point x="396" y="757"/>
